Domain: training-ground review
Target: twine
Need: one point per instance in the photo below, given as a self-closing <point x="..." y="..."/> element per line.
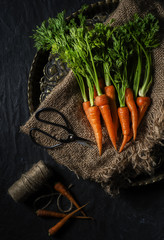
<point x="30" y="182"/>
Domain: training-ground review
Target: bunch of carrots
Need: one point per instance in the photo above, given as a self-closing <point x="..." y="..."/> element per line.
<point x="60" y="188"/>
<point x="112" y="65"/>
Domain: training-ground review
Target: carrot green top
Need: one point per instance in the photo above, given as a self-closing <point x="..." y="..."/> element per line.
<point x="112" y="49"/>
<point x="120" y="53"/>
<point x="144" y="33"/>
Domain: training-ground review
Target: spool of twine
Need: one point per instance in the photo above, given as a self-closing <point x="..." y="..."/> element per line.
<point x="30" y="182"/>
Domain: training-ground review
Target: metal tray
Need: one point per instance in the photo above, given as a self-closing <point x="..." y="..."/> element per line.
<point x="46" y="72"/>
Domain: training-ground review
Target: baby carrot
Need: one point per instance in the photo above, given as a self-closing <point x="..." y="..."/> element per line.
<point x="130" y="135"/>
<point x="59" y="187"/>
<point x="143" y="104"/>
<point x="123" y="113"/>
<point x="86" y="105"/>
<point x="133" y="110"/>
<point x="93" y="115"/>
<point x="55" y="228"/>
<point x="48" y="213"/>
<point x="110" y="93"/>
<point x="102" y="102"/>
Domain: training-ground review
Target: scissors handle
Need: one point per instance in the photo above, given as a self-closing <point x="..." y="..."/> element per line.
<point x="37" y="116"/>
<point x="45" y="133"/>
<point x="69" y="139"/>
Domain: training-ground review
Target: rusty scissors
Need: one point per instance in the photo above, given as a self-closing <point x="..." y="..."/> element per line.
<point x="71" y="136"/>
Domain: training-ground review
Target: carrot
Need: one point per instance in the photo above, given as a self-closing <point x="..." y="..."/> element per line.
<point x="133" y="110"/>
<point x="55" y="228"/>
<point x="86" y="105"/>
<point x="93" y="115"/>
<point x="48" y="213"/>
<point x="110" y="93"/>
<point x="59" y="187"/>
<point x="130" y="135"/>
<point x="93" y="112"/>
<point x="123" y="113"/>
<point x="102" y="102"/>
<point x="143" y="104"/>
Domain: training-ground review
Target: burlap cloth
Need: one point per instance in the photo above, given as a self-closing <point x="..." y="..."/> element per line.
<point x="112" y="169"/>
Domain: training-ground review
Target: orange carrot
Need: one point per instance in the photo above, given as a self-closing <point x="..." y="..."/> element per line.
<point x="143" y="104"/>
<point x="123" y="113"/>
<point x="130" y="135"/>
<point x="55" y="228"/>
<point x="102" y="102"/>
<point x="86" y="105"/>
<point x="133" y="110"/>
<point x="93" y="115"/>
<point x="59" y="187"/>
<point x="110" y="93"/>
<point x="48" y="213"/>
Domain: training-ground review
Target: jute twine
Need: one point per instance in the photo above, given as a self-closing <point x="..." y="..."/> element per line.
<point x="30" y="182"/>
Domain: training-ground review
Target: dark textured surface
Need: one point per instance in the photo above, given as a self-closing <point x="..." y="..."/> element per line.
<point x="137" y="213"/>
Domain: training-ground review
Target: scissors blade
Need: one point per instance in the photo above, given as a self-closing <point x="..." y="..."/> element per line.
<point x="84" y="142"/>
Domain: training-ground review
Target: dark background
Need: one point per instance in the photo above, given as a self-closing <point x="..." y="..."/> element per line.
<point x="137" y="213"/>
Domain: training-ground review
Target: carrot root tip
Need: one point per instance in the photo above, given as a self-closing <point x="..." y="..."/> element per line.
<point x="115" y="147"/>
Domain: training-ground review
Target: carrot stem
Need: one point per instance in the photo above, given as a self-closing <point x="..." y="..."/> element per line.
<point x="147" y="80"/>
<point x="138" y="71"/>
<point x="101" y="83"/>
<point x="95" y="79"/>
<point x="91" y="91"/>
<point x="107" y="75"/>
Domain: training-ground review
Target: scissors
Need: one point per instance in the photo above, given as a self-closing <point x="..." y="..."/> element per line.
<point x="72" y="137"/>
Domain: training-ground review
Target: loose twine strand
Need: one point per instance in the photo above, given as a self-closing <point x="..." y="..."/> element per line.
<point x="58" y="202"/>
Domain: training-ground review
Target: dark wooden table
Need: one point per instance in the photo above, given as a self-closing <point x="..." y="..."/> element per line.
<point x="137" y="213"/>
